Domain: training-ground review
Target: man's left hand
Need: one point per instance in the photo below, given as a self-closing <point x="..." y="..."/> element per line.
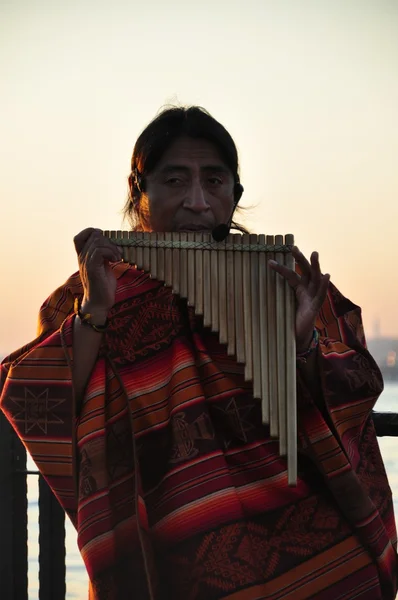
<point x="310" y="288"/>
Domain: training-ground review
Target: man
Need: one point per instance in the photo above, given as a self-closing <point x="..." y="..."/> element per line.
<point x="151" y="440"/>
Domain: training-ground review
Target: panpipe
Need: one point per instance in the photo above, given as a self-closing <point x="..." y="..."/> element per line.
<point x="249" y="306"/>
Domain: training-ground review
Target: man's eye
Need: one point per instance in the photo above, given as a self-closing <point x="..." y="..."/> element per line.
<point x="174" y="180"/>
<point x="215" y="180"/>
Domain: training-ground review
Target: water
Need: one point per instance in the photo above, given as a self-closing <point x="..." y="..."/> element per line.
<point x="76" y="577"/>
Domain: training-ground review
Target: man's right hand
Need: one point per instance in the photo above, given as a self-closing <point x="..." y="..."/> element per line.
<point x="95" y="252"/>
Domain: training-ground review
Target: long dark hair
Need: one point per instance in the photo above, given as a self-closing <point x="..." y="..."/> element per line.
<point x="157" y="137"/>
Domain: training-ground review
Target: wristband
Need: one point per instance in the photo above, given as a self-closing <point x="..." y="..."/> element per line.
<point x="85" y="318"/>
<point x="301" y="357"/>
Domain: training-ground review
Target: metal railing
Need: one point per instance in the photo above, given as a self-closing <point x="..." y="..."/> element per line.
<point x="14" y="526"/>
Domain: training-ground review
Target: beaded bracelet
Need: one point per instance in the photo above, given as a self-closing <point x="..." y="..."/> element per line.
<point x="301" y="357"/>
<point x="85" y="318"/>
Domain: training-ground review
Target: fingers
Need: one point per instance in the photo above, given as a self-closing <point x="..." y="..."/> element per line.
<point x="90" y="243"/>
<point x="322" y="291"/>
<point x="301" y="260"/>
<point x="310" y="270"/>
<point x="81" y="238"/>
<point x="96" y="256"/>
<point x="95" y="252"/>
<point x="315" y="269"/>
<point x="95" y="248"/>
<point x="291" y="276"/>
<point x="311" y="276"/>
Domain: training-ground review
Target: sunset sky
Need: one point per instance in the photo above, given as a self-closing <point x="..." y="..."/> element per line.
<point x="307" y="88"/>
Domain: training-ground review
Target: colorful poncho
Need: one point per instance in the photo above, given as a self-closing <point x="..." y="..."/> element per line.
<point x="171" y="480"/>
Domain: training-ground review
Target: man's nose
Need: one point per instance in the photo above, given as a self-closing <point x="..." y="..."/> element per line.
<point x="196" y="198"/>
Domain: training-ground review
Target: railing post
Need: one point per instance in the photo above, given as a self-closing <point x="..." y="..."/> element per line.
<point x="13" y="515"/>
<point x="52" y="545"/>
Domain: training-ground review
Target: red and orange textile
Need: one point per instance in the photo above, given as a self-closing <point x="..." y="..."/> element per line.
<point x="171" y="480"/>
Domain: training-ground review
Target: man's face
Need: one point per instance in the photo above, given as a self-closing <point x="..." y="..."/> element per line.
<point x="191" y="189"/>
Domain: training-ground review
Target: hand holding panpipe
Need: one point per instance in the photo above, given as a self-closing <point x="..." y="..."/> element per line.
<point x="250" y="306"/>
